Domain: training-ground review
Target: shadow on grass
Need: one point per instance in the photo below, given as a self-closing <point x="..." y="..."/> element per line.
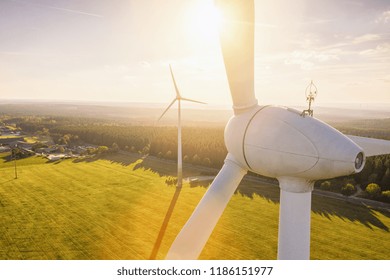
<point x="124" y="159"/>
<point x="161" y="167"/>
<point x="85" y="159"/>
<point x="164" y="167"/>
<point x="330" y="208"/>
<point x="9" y="158"/>
<point x="346" y="210"/>
<point x="165" y="223"/>
<point x="327" y="207"/>
<point x="250" y="187"/>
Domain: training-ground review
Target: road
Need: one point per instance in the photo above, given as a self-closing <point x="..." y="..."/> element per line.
<point x="208" y="170"/>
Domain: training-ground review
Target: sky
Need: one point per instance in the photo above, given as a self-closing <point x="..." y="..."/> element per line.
<point x="120" y="51"/>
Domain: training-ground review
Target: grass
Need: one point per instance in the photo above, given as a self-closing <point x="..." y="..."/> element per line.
<point x="113" y="208"/>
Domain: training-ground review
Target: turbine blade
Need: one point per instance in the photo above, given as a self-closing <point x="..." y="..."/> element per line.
<point x="174" y="83"/>
<point x="371" y="146"/>
<point x="237" y="44"/>
<point x="194" y="235"/>
<point x="170" y="105"/>
<point x="191" y="100"/>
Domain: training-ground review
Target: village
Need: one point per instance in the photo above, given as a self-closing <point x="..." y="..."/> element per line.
<point x="21" y="145"/>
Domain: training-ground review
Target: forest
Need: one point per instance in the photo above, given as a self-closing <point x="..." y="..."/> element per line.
<point x="202" y="145"/>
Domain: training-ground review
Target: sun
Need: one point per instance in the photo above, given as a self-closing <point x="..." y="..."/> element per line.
<point x="205" y="20"/>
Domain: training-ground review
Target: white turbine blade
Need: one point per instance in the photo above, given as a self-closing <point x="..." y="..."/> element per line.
<point x="294" y="226"/>
<point x="237" y="43"/>
<point x="191" y="100"/>
<point x="170" y="105"/>
<point x="174" y="83"/>
<point x="371" y="146"/>
<point x="194" y="235"/>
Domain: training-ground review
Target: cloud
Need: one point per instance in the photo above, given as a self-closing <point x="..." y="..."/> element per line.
<point x="317" y="22"/>
<point x="59" y="9"/>
<point x="380" y="50"/>
<point x="366" y="38"/>
<point x="384" y="17"/>
<point x="308" y="59"/>
<point x="73" y="11"/>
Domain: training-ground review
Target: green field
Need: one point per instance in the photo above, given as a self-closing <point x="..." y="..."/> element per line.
<point x="113" y="209"/>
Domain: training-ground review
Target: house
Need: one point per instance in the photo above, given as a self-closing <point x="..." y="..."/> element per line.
<point x="4" y="149"/>
<point x="55" y="157"/>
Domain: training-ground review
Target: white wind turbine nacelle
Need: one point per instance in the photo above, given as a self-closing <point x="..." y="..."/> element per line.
<point x="272" y="141"/>
<point x="279" y="142"/>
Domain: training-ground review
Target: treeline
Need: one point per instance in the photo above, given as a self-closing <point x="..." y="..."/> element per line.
<point x="366" y="128"/>
<point x="201" y="145"/>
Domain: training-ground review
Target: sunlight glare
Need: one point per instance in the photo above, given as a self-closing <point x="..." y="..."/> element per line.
<point x="205" y="21"/>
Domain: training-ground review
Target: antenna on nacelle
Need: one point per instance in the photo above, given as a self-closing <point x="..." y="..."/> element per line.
<point x="311" y="94"/>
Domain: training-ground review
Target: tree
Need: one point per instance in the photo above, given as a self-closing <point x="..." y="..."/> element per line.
<point x="385" y="196"/>
<point x="387" y="162"/>
<point x="66" y="138"/>
<point x="362" y="177"/>
<point x="348" y="189"/>
<point x="378" y="165"/>
<point x="91" y="151"/>
<point x="145" y="150"/>
<point x="115" y="147"/>
<point x="325" y="185"/>
<point x="171" y="181"/>
<point x="102" y="149"/>
<point x="44" y="131"/>
<point x="168" y="155"/>
<point x="17" y="153"/>
<point x="195" y="159"/>
<point x="373" y="190"/>
<point x="206" y="161"/>
<point x="385" y="182"/>
<point x="372" y="178"/>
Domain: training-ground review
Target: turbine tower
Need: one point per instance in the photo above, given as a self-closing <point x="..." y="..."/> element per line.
<point x="273" y="141"/>
<point x="178" y="98"/>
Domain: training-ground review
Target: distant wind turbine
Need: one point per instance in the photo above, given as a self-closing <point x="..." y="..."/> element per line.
<point x="168" y="215"/>
<point x="178" y="98"/>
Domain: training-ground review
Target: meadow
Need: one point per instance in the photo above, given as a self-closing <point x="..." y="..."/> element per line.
<point x="113" y="208"/>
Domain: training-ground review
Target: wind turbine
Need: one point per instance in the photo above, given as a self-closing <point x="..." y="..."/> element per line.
<point x="178" y="98"/>
<point x="273" y="141"/>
